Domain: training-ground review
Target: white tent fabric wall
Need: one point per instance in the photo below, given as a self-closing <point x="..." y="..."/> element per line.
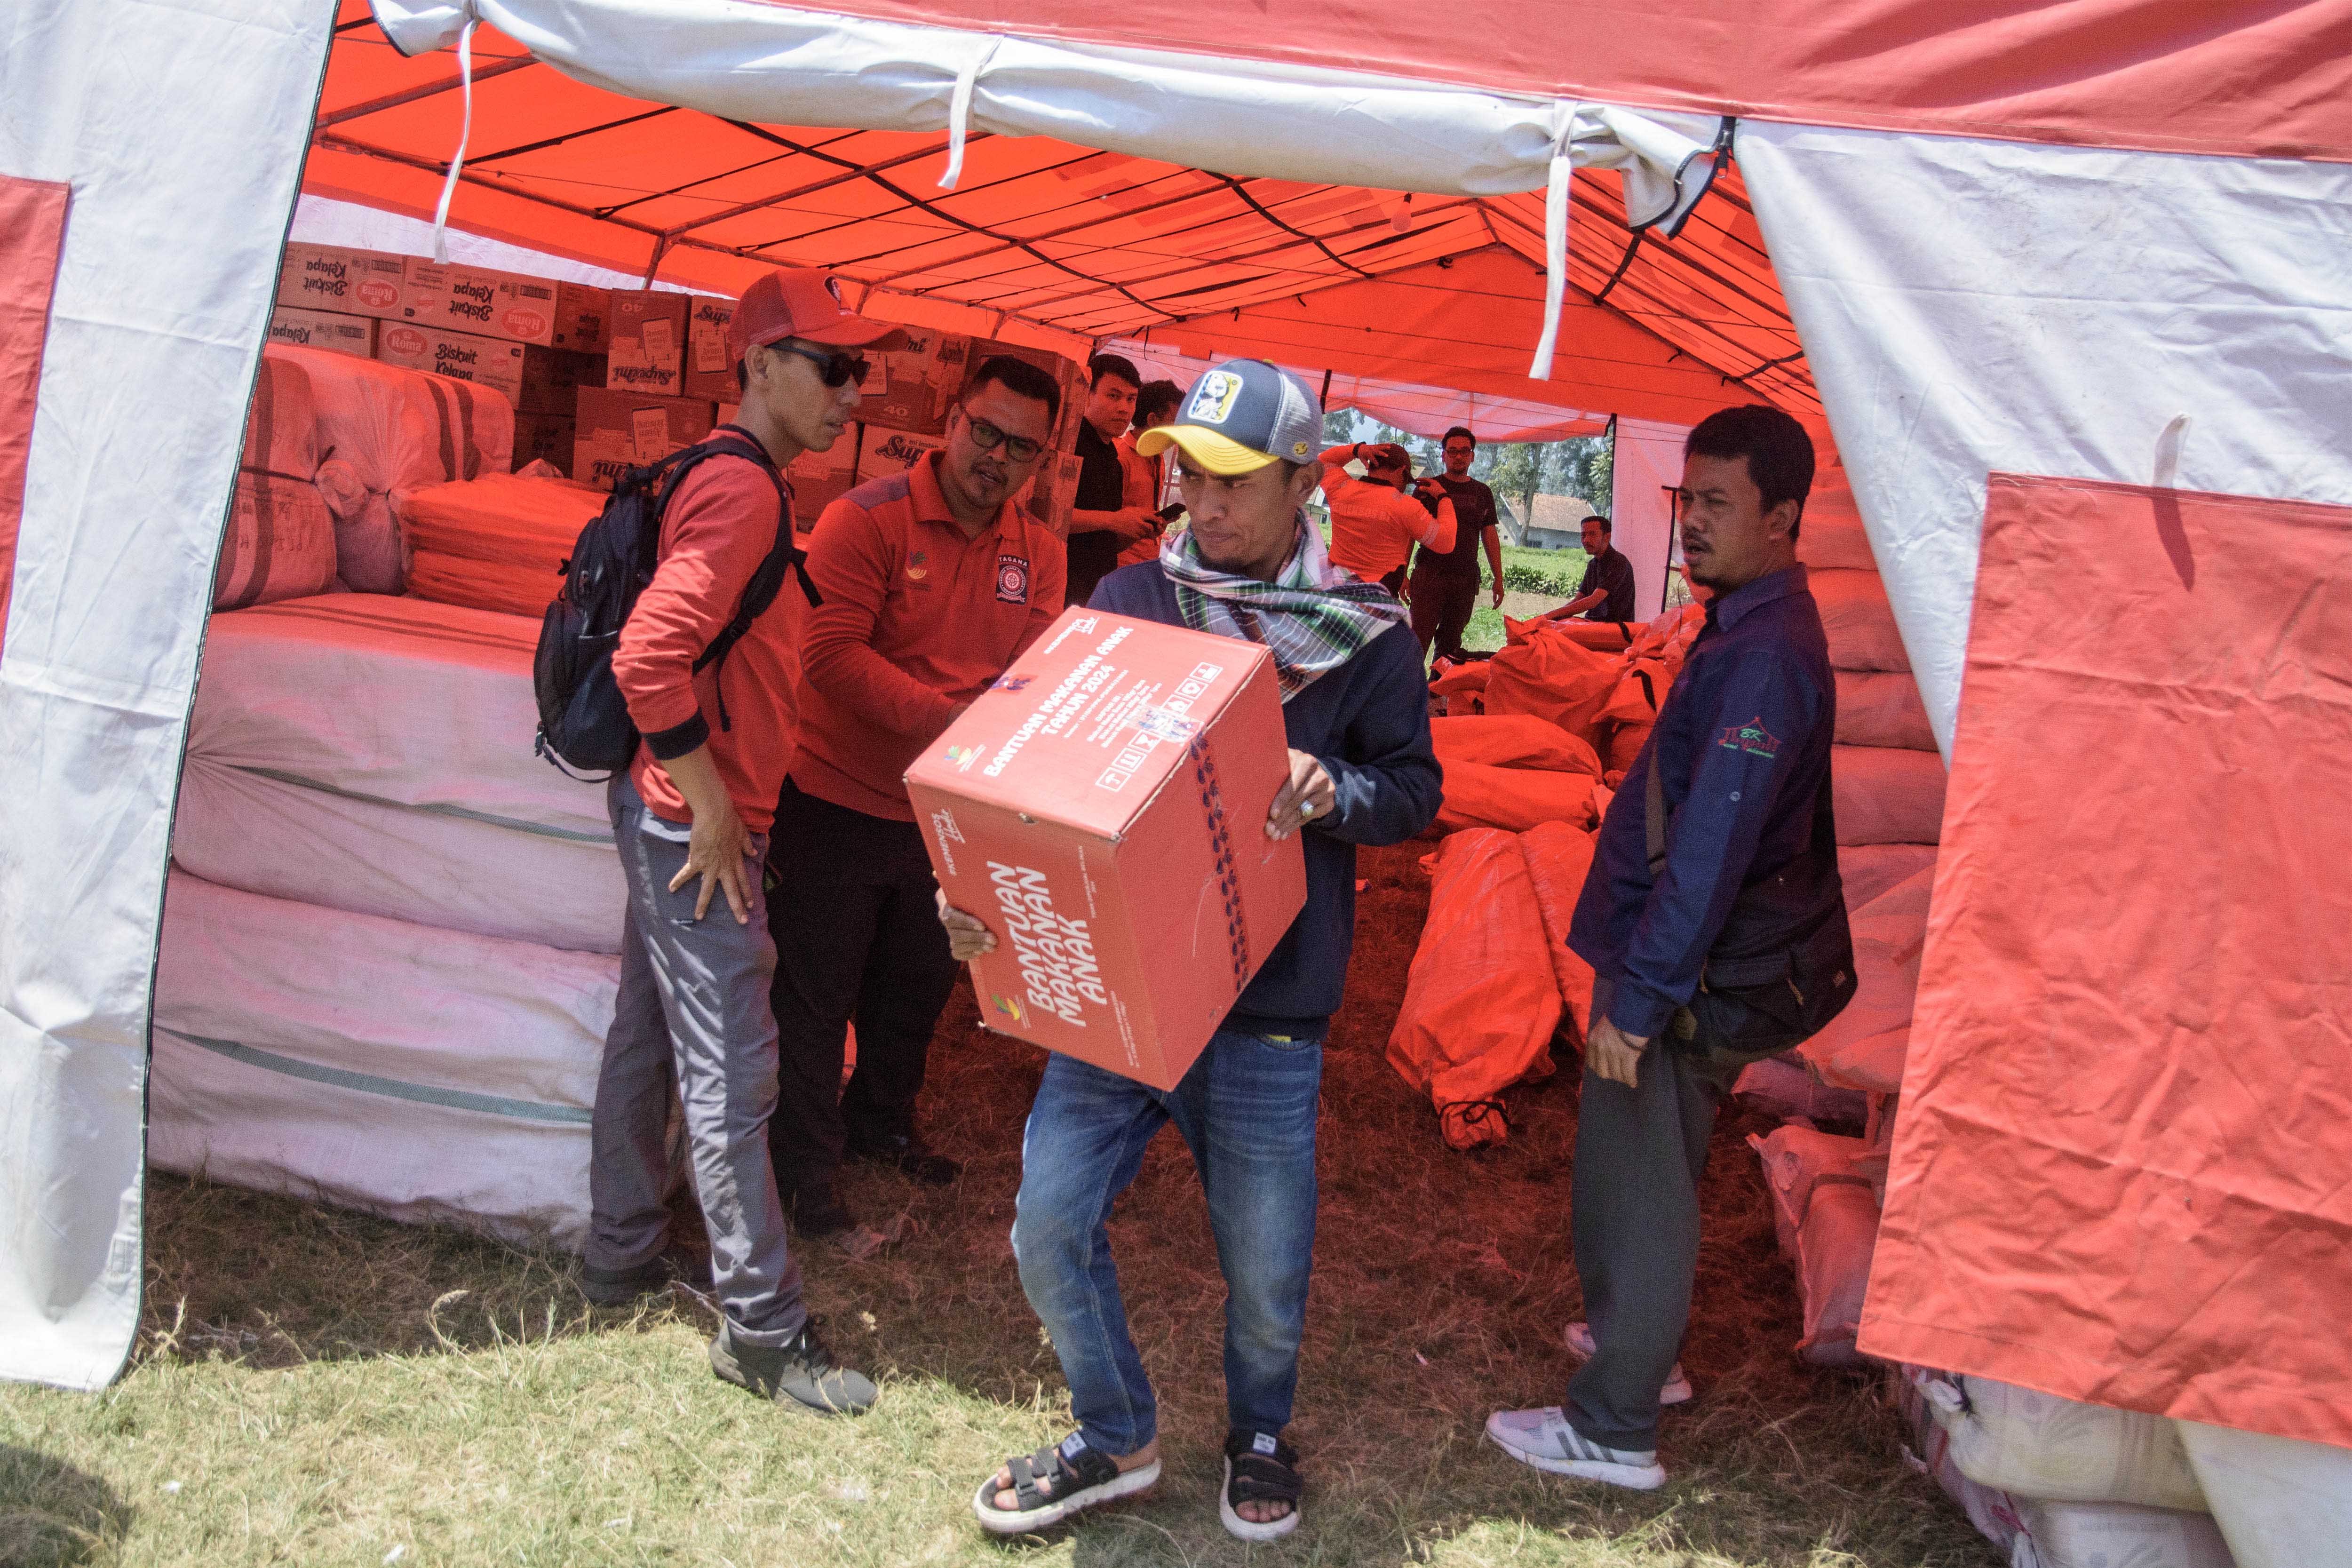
<point x="1978" y="307"/>
<point x="323" y="220"/>
<point x="135" y="447"/>
<point x="1648" y="462"/>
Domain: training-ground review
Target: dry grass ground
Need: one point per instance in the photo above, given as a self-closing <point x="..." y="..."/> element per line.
<point x="317" y="1387"/>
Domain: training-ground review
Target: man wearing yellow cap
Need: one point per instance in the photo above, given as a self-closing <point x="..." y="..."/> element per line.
<point x="1356" y="711"/>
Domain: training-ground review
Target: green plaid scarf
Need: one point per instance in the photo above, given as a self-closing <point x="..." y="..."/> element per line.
<point x="1313" y="617"/>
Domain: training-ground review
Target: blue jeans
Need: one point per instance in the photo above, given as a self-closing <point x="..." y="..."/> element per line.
<point x="1246" y="1110"/>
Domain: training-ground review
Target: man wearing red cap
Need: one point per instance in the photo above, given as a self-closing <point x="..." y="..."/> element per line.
<point x="691" y="818"/>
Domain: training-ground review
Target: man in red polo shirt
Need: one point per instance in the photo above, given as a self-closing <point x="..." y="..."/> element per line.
<point x="691" y="818"/>
<point x="933" y="583"/>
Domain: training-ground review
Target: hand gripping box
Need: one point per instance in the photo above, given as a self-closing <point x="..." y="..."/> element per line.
<point x="1102" y="808"/>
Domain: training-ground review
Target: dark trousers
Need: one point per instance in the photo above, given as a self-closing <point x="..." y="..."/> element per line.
<point x="856" y="919"/>
<point x="1633" y="1198"/>
<point x="1442" y="605"/>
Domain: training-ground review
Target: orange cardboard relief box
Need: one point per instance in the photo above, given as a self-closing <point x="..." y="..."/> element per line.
<point x="1102" y="808"/>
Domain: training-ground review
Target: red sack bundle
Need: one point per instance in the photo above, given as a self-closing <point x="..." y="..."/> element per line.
<point x="1513" y="799"/>
<point x="1480" y="1004"/>
<point x="1512" y="741"/>
<point x="1552" y="678"/>
<point x="1559" y="859"/>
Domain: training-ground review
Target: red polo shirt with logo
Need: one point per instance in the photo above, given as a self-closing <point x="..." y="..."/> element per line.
<point x="917" y="619"/>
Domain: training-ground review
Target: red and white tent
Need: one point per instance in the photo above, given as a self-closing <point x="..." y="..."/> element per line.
<point x="2109" y="240"/>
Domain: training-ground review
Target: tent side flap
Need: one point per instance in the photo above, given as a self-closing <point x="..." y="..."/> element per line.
<point x="134" y="448"/>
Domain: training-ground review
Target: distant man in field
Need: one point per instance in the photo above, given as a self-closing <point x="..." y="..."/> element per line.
<point x="1445" y="580"/>
<point x="1251" y="567"/>
<point x="1744" y="874"/>
<point x="1606" y="594"/>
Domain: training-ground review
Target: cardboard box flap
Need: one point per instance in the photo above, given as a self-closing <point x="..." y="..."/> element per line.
<point x="1095" y="738"/>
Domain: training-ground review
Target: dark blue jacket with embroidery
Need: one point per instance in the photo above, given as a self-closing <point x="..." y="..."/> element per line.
<point x="1742" y="747"/>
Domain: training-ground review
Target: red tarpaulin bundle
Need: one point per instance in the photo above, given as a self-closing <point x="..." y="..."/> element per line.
<point x="2128" y="1109"/>
<point x="1481" y="1004"/>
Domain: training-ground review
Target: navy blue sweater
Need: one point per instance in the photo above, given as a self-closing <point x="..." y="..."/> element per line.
<point x="1367" y="723"/>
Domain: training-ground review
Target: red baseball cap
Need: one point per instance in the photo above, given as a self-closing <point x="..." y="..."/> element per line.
<point x="803" y="303"/>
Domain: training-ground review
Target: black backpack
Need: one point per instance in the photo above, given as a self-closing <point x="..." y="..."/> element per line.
<point x="583" y="720"/>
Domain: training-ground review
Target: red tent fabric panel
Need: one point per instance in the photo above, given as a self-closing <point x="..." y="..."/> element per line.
<point x="32" y="237"/>
<point x="1467" y="325"/>
<point x="2119" y="1174"/>
<point x="2267" y="79"/>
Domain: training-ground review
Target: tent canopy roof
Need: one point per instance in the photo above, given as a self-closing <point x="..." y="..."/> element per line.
<point x="1068" y="245"/>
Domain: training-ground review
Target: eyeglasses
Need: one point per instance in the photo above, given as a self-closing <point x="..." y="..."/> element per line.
<point x="838" y="367"/>
<point x="988" y="437"/>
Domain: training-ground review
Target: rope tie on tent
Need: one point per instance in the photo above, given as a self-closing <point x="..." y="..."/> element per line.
<point x="959" y="109"/>
<point x="2168" y="442"/>
<point x="1555" y="237"/>
<point x="465" y="134"/>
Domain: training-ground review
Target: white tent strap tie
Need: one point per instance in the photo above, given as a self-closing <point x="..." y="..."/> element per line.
<point x="465" y="134"/>
<point x="2168" y="442"/>
<point x="1556" y="182"/>
<point x="959" y="109"/>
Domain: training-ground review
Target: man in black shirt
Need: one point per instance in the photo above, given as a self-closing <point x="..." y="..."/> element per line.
<point x="1607" y="592"/>
<point x="1444" y="588"/>
<point x="1102" y="524"/>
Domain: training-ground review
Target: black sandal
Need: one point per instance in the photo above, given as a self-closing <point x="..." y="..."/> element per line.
<point x="1259" y="1468"/>
<point x="1080" y="1478"/>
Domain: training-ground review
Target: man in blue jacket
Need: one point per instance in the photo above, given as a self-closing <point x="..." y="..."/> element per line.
<point x="1741" y="753"/>
<point x="1361" y="772"/>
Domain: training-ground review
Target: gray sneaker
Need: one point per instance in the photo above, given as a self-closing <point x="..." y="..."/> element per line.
<point x="1543" y="1439"/>
<point x="801" y="1369"/>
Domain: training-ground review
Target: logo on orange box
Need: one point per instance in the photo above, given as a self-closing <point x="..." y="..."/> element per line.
<point x="405" y="341"/>
<point x="378" y="295"/>
<point x="525" y="323"/>
<point x="1006" y="1006"/>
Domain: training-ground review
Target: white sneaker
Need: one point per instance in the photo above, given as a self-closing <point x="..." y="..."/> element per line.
<point x="1544" y="1438"/>
<point x="1677" y="1390"/>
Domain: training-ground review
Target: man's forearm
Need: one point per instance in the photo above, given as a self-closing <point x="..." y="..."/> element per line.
<point x="697" y="776"/>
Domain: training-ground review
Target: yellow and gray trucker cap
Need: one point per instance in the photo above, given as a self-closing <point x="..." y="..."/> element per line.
<point x="1240" y="417"/>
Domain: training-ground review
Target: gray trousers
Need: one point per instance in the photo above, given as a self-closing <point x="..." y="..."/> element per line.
<point x="693" y="1011"/>
<point x="1635" y="1190"/>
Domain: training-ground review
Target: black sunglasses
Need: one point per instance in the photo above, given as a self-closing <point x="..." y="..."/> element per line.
<point x="988" y="437"/>
<point x="838" y="367"/>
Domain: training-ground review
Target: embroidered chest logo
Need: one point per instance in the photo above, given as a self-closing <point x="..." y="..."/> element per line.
<point x="1012" y="580"/>
<point x="918" y="565"/>
<point x="1752" y="738"/>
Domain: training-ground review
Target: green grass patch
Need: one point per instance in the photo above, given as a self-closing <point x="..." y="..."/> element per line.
<point x="317" y="1387"/>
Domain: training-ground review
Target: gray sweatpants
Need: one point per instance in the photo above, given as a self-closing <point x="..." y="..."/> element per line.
<point x="693" y="1010"/>
<point x="1634" y="1225"/>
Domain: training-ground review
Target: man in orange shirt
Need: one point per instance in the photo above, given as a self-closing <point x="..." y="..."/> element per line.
<point x="691" y="818"/>
<point x="933" y="581"/>
<point x="1147" y="480"/>
<point x="1374" y="524"/>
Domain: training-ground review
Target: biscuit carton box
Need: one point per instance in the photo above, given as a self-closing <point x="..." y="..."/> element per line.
<point x="461" y="356"/>
<point x="1102" y="808"/>
<point x="615" y="431"/>
<point x="353" y="335"/>
<point x="346" y="282"/>
<point x="820" y="478"/>
<point x="885" y="452"/>
<point x="489" y="304"/>
<point x="709" y="371"/>
<point x="645" y="342"/>
<point x="910" y="388"/>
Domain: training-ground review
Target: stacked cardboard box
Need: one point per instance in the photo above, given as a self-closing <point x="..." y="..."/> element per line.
<point x="299" y="329"/>
<point x="534" y="340"/>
